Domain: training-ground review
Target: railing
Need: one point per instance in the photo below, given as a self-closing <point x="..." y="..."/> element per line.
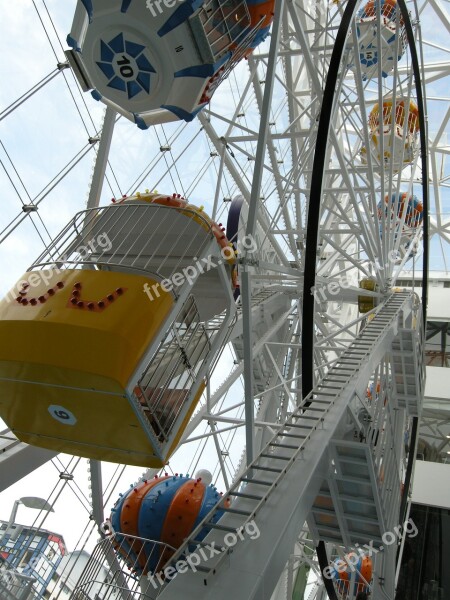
<point x="223" y="23"/>
<point x="349" y="591"/>
<point x="401" y="114"/>
<point x="137" y="559"/>
<point x="15" y="586"/>
<point x="136" y="237"/>
<point x="164" y="386"/>
<point x="394" y="305"/>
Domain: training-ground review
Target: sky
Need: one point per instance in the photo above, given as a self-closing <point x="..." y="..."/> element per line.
<point x="39" y="138"/>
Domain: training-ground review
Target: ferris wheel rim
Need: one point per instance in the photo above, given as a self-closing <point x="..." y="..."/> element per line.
<point x="317" y="176"/>
<point x="313" y="222"/>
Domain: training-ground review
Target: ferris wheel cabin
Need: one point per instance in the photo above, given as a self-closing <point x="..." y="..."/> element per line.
<point x="162" y="60"/>
<point x="105" y="347"/>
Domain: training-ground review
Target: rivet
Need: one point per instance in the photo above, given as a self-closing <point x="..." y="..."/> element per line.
<point x="51" y="292"/>
<point x="60" y="284"/>
<point x="77" y="285"/>
<point x="100" y="304"/>
<point x="80" y="304"/>
<point x="110" y="297"/>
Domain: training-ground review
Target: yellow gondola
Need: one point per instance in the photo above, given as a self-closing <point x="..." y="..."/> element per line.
<point x="93" y="364"/>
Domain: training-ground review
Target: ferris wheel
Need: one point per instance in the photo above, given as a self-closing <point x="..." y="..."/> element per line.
<point x="290" y="365"/>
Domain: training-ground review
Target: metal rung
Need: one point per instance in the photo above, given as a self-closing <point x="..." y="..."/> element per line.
<point x="290" y="446"/>
<point x="328" y="387"/>
<point x="208" y="544"/>
<point x="353" y="479"/>
<point x="361" y="518"/>
<point x="221" y="527"/>
<point x="356" y="348"/>
<point x="203" y="569"/>
<point x="346" y="498"/>
<point x="293" y="435"/>
<point x="236" y="511"/>
<point x="300" y="426"/>
<point x="271" y="469"/>
<point x="275" y="456"/>
<point x="352" y="459"/>
<point x="319" y="510"/>
<point x="308" y="417"/>
<point x="257" y="481"/>
<point x="249" y="496"/>
<point x="320" y="401"/>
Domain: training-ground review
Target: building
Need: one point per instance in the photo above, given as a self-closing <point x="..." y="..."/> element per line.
<point x="32" y="552"/>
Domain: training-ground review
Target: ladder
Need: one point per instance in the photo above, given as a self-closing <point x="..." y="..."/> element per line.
<point x="275" y="494"/>
<point x="407" y="351"/>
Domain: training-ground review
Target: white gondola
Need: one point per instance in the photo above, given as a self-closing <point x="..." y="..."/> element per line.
<point x="162" y="60"/>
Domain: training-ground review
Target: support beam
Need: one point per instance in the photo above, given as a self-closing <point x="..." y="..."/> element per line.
<point x="246" y="292"/>
<point x="102" y="158"/>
